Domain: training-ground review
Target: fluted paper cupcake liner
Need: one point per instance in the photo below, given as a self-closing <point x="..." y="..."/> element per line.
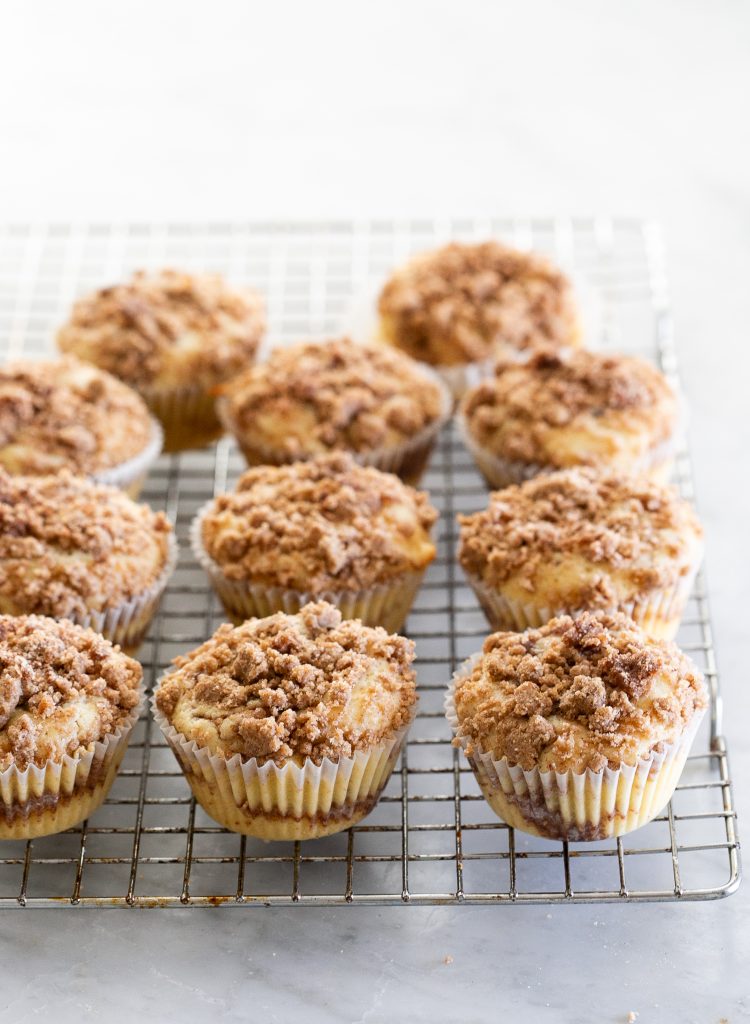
<point x="407" y="460"/>
<point x="575" y="806"/>
<point x="126" y="623"/>
<point x="386" y="605"/>
<point x="291" y="801"/>
<point x="187" y="415"/>
<point x="658" y="613"/>
<point x="40" y="801"/>
<point x="130" y="475"/>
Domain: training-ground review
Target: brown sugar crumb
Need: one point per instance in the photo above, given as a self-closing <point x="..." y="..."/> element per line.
<point x="317" y="525"/>
<point x="583" y="692"/>
<point x="167" y="324"/>
<point x="292" y="686"/>
<point x="66" y="414"/>
<point x="320" y="396"/>
<point x="640" y="530"/>
<point x="62" y="689"/>
<point x="464" y="303"/>
<point x="68" y="546"/>
<point x="527" y="410"/>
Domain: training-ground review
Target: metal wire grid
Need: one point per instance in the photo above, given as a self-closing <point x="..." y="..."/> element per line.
<point x="432" y="838"/>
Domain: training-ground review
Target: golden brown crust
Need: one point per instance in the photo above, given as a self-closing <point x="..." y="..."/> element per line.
<point x="64" y="413"/>
<point x="466" y="303"/>
<point x="583" y="408"/>
<point x="69" y="546"/>
<point x="585" y="692"/>
<point x="322" y="396"/>
<point x="581" y="539"/>
<point x="327" y="524"/>
<point x="167" y="328"/>
<point x="292" y="686"/>
<point x="62" y="689"/>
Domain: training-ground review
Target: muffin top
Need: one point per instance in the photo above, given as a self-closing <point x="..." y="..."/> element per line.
<point x="585" y="692"/>
<point x="62" y="689"/>
<point x="167" y="329"/>
<point x="69" y="546"/>
<point x="327" y="524"/>
<point x="464" y="303"/>
<point x="64" y="413"/>
<point x="582" y="408"/>
<point x="320" y="396"/>
<point x="578" y="539"/>
<point x="292" y="687"/>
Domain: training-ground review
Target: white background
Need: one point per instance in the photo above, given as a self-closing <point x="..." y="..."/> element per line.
<point x="221" y="110"/>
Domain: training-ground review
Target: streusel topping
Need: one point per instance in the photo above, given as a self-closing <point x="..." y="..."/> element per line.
<point x="67" y="414"/>
<point x="326" y="524"/>
<point x="585" y="692"/>
<point x="167" y="327"/>
<point x="320" y="396"/>
<point x="463" y="303"/>
<point x="583" y="539"/>
<point x="292" y="686"/>
<point x="62" y="689"/>
<point x="68" y="546"/>
<point x="582" y="408"/>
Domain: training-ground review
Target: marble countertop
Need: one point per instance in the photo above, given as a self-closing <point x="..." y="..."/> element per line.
<point x="195" y="112"/>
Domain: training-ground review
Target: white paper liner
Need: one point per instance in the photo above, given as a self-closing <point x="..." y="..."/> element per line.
<point x="187" y="415"/>
<point x="407" y="460"/>
<point x="130" y="475"/>
<point x="126" y="623"/>
<point x="291" y="801"/>
<point x="572" y="806"/>
<point x="658" y="613"/>
<point x="387" y="605"/>
<point x="40" y="801"/>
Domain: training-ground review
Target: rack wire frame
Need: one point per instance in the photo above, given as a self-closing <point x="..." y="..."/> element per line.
<point x="432" y="839"/>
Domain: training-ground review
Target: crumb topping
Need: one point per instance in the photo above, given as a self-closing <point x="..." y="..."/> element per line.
<point x="584" y="407"/>
<point x="62" y="689"/>
<point x="619" y="536"/>
<point x="66" y="414"/>
<point x="319" y="396"/>
<point x="326" y="524"/>
<point x="464" y="303"/>
<point x="585" y="692"/>
<point x="68" y="546"/>
<point x="292" y="686"/>
<point x="164" y="326"/>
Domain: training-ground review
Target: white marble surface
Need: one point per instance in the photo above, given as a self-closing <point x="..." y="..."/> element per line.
<point x="194" y="111"/>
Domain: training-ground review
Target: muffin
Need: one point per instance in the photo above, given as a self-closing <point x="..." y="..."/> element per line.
<point x="289" y="727"/>
<point x="462" y="306"/>
<point x="578" y="540"/>
<point x="578" y="730"/>
<point x="65" y="414"/>
<point x="318" y="397"/>
<point x="583" y="409"/>
<point x="68" y="703"/>
<point x="173" y="337"/>
<point x="328" y="529"/>
<point x="73" y="549"/>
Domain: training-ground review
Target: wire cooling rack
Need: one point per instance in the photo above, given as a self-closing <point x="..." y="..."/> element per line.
<point x="432" y="839"/>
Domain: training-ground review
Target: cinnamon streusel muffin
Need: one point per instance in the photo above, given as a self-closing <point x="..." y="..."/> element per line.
<point x="586" y="408"/>
<point x="318" y="397"/>
<point x="72" y="549"/>
<point x="66" y="414"/>
<point x="328" y="529"/>
<point x="462" y="306"/>
<point x="578" y="730"/>
<point x="289" y="727"/>
<point x="68" y="703"/>
<point x="174" y="337"/>
<point x="578" y="540"/>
